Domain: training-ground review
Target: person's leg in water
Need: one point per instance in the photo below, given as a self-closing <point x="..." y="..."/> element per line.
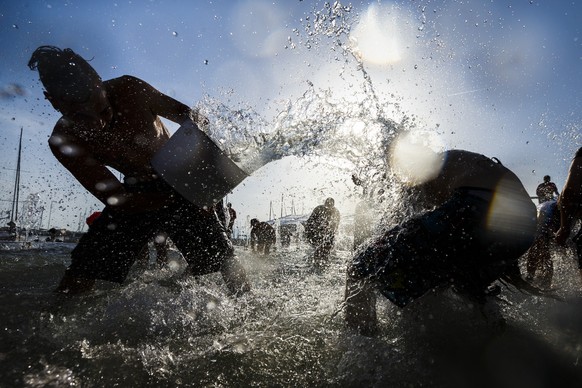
<point x="547" y="266"/>
<point x="234" y="276"/>
<point x="72" y="284"/>
<point x="577" y="240"/>
<point x="144" y="256"/>
<point x="539" y="255"/>
<point x="539" y="261"/>
<point x="161" y="246"/>
<point x="323" y="245"/>
<point x="261" y="247"/>
<point x="107" y="251"/>
<point x="360" y="294"/>
<point x="360" y="306"/>
<point x="203" y="242"/>
<point x="394" y="264"/>
<point x="323" y="250"/>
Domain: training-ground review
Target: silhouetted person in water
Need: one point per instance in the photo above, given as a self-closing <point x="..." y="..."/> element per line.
<point x="479" y="220"/>
<point x="547" y="190"/>
<point x="262" y="236"/>
<point x="231" y="218"/>
<point x="321" y="228"/>
<point x="117" y="124"/>
<point x="538" y="258"/>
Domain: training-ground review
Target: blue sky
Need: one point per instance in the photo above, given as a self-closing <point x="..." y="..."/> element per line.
<point x="497" y="77"/>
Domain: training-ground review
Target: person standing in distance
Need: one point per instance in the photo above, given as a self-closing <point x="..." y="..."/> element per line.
<point x="547" y="190"/>
<point x="321" y="228"/>
<point x="231" y="219"/>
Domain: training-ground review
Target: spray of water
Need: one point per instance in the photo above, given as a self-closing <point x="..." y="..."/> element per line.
<point x="169" y="331"/>
<point x="32" y="212"/>
<point x="356" y="130"/>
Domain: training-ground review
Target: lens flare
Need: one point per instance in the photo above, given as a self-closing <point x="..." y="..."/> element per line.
<point x="414" y="158"/>
<point x="509" y="216"/>
<point x="376" y="37"/>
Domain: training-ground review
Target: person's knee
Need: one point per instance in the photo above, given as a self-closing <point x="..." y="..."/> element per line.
<point x="234" y="276"/>
<point x="72" y="284"/>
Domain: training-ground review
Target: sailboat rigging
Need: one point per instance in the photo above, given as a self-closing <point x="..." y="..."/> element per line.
<point x="11" y="233"/>
<point x="16" y="192"/>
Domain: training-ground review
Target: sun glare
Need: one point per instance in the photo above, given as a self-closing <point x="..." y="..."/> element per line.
<point x="352" y="127"/>
<point x="414" y="158"/>
<point x="376" y="37"/>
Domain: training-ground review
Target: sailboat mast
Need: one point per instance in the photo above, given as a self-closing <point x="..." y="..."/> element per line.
<point x="16" y="193"/>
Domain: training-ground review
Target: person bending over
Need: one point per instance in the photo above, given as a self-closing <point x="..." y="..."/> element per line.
<point x="262" y="236"/>
<point x="116" y="124"/>
<point x="321" y="228"/>
<point x="478" y="220"/>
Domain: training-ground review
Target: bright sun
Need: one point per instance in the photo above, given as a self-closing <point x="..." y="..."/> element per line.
<point x="414" y="157"/>
<point x="376" y="37"/>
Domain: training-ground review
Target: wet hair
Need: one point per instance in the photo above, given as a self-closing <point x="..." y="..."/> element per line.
<point x="254" y="221"/>
<point x="547" y="178"/>
<point x="329" y="202"/>
<point x="64" y="74"/>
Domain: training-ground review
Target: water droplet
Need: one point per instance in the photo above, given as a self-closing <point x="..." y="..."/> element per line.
<point x="174" y="33"/>
<point x="112" y="201"/>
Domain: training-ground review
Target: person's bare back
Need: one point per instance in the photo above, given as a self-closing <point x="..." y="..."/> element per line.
<point x="86" y="146"/>
<point x="465" y="169"/>
<point x="135" y="132"/>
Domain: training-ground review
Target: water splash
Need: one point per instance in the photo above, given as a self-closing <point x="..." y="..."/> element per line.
<point x="32" y="212"/>
<point x="353" y="130"/>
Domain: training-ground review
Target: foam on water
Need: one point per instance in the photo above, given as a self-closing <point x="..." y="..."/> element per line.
<point x="161" y="329"/>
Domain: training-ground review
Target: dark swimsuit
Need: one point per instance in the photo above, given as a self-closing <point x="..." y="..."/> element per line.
<point x="112" y="244"/>
<point x="451" y="244"/>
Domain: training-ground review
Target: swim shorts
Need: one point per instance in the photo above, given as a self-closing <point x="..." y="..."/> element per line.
<point x="112" y="244"/>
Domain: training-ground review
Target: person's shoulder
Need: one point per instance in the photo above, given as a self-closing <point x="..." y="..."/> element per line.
<point x="129" y="90"/>
<point x="64" y="130"/>
<point x="65" y="135"/>
<point x="124" y="81"/>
